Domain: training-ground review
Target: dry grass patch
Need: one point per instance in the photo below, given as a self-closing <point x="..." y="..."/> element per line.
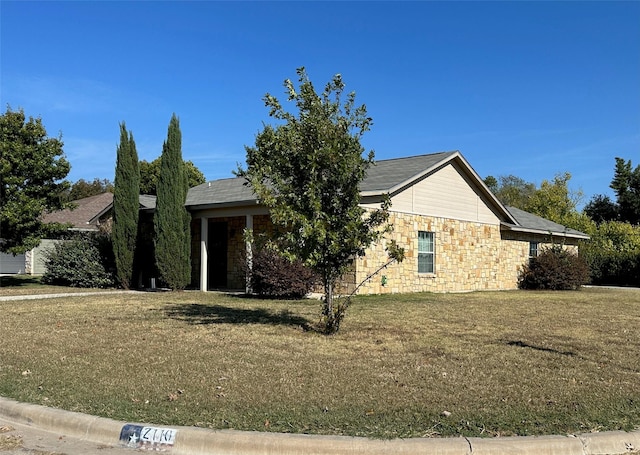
<point x="494" y="363"/>
<point x="9" y="441"/>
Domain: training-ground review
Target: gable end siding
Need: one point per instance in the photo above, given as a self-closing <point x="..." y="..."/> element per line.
<point x="446" y="193"/>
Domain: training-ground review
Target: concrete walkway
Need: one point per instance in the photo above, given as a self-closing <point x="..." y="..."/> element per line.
<point x="77" y="434"/>
<point x="9" y="298"/>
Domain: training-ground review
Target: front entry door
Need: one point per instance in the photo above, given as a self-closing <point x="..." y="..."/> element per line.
<point x="217" y="254"/>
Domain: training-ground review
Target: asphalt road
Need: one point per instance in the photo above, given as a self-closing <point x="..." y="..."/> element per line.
<point x="17" y="439"/>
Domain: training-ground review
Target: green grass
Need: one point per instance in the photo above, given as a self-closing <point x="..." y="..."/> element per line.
<point x="501" y="363"/>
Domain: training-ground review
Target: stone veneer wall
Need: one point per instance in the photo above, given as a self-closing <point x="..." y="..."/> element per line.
<point x="235" y="252"/>
<point x="469" y="256"/>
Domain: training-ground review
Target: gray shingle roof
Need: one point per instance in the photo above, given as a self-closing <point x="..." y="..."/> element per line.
<point x="529" y="221"/>
<point x="221" y="192"/>
<point x="386" y="175"/>
<point x="147" y="201"/>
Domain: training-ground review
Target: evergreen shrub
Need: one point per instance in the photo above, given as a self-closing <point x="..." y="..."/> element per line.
<point x="81" y="262"/>
<point x="555" y="268"/>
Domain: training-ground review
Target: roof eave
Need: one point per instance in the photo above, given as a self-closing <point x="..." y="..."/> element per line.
<point x="573" y="235"/>
<point x="215" y="205"/>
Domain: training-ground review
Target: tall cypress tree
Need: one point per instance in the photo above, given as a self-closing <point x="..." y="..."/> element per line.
<point x="125" y="206"/>
<point x="172" y="221"/>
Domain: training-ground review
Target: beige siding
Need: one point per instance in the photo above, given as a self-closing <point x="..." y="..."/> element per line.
<point x="447" y="194"/>
<point x="34" y="260"/>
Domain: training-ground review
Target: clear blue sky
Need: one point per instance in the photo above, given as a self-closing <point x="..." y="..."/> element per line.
<point x="525" y="88"/>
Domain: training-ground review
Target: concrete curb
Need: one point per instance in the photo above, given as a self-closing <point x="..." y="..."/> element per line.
<point x="199" y="441"/>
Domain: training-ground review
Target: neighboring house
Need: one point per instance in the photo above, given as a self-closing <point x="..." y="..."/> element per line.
<point x="87" y="214"/>
<point x="90" y="214"/>
<point x="456" y="234"/>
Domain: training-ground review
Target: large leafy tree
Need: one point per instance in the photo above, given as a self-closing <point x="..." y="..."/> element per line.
<point x="511" y="190"/>
<point x="32" y="169"/>
<point x="150" y="173"/>
<point x="307" y="170"/>
<point x="125" y="206"/>
<point x="553" y="199"/>
<point x="172" y="221"/>
<point x="83" y="188"/>
<point x="626" y="184"/>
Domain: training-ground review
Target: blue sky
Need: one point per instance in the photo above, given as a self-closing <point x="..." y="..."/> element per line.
<point x="525" y="88"/>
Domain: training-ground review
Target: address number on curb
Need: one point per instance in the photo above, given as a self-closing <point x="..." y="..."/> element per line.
<point x="147" y="438"/>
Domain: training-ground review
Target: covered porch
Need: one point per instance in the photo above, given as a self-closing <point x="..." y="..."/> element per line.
<point x="220" y="252"/>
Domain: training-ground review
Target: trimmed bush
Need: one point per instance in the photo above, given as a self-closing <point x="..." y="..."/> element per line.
<point x="276" y="277"/>
<point x="79" y="262"/>
<point x="556" y="269"/>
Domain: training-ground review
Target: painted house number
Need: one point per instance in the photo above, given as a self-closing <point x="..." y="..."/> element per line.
<point x="158" y="435"/>
<point x="147" y="438"/>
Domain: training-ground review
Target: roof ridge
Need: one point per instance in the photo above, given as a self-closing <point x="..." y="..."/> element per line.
<point x="415" y="156"/>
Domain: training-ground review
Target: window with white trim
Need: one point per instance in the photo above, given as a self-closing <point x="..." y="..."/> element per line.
<point x="426" y="252"/>
<point x="533" y="249"/>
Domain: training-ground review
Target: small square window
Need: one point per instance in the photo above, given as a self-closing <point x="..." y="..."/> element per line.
<point x="533" y="249"/>
<point x="426" y="252"/>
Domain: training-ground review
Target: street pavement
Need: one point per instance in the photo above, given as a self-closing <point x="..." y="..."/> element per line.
<point x="21" y="439"/>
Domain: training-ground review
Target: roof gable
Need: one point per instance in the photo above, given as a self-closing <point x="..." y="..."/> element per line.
<point x="85" y="214"/>
<point x="385" y="176"/>
<point x="395" y="175"/>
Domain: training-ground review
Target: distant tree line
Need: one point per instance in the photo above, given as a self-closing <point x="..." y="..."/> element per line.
<point x="149" y="175"/>
<point x="613" y="252"/>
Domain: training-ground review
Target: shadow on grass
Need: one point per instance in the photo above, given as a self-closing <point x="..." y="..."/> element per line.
<point x="196" y="313"/>
<point x="617" y="365"/>
<point x="19" y="281"/>
<point x="522" y="344"/>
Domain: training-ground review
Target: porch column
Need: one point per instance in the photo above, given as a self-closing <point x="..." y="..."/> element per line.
<point x="249" y="252"/>
<point x="204" y="254"/>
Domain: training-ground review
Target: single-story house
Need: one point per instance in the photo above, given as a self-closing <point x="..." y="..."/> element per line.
<point x="87" y="214"/>
<point x="457" y="235"/>
<point x="90" y="214"/>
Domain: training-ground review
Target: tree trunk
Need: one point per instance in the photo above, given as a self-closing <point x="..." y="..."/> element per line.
<point x="328" y="311"/>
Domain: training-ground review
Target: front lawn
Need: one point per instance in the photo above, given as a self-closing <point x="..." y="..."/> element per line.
<point x="490" y="363"/>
